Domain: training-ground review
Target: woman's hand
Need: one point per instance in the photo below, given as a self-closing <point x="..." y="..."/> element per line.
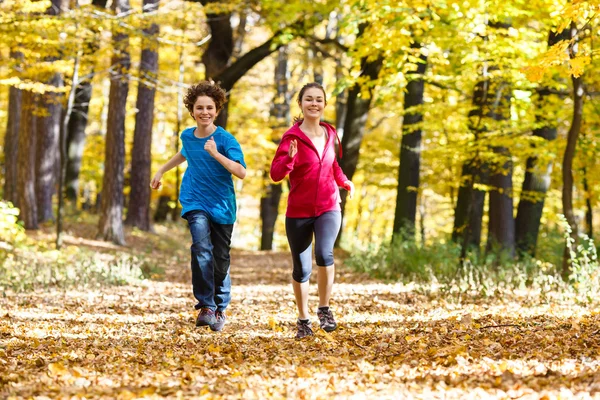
<point x="349" y="186"/>
<point x="293" y="148"/>
<point x="155" y="183"/>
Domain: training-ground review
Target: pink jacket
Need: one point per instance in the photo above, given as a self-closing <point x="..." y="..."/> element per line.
<point x="314" y="181"/>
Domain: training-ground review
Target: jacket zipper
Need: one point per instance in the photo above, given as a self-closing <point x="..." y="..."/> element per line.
<point x="311" y="144"/>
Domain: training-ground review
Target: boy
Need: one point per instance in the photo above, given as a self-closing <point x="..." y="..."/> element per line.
<point x="207" y="199"/>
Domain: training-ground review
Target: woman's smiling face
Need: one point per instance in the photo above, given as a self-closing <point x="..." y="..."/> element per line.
<point x="313" y="103"/>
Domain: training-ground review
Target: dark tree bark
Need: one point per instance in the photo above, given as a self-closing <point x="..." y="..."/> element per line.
<point x="76" y="138"/>
<point x="269" y="202"/>
<point x="218" y="54"/>
<point x="537" y="177"/>
<point x="410" y="151"/>
<point x="11" y="144"/>
<point x="48" y="129"/>
<point x="501" y="222"/>
<point x="110" y="226"/>
<point x="357" y="110"/>
<point x="567" y="166"/>
<point x="230" y="75"/>
<point x="26" y="163"/>
<point x="589" y="211"/>
<point x="468" y="213"/>
<point x="138" y="212"/>
<point x="77" y="125"/>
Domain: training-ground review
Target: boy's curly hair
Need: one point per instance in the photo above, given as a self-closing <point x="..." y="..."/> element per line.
<point x="205" y="88"/>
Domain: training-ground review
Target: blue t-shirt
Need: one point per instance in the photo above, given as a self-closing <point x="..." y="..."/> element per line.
<point x="206" y="184"/>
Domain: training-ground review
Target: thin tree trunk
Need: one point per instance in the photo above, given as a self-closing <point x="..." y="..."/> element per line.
<point x="26" y="163"/>
<point x="11" y="142"/>
<point x="501" y="223"/>
<point x="535" y="187"/>
<point x="537" y="178"/>
<point x="48" y="127"/>
<point x="62" y="144"/>
<point x="138" y="212"/>
<point x="589" y="212"/>
<point x="77" y="125"/>
<point x="269" y="202"/>
<point x="218" y="53"/>
<point x="410" y="151"/>
<point x="110" y="226"/>
<point x="357" y="110"/>
<point x="468" y="213"/>
<point x="567" y="166"/>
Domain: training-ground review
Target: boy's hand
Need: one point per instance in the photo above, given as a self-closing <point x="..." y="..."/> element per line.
<point x="155" y="183"/>
<point x="211" y="147"/>
<point x="293" y="148"/>
<point x="349" y="186"/>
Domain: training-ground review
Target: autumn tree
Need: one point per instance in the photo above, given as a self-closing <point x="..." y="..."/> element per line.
<point x="110" y="226"/>
<point x="138" y="212"/>
<point x="410" y="147"/>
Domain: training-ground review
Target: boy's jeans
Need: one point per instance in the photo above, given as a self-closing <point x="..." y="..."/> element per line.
<point x="210" y="261"/>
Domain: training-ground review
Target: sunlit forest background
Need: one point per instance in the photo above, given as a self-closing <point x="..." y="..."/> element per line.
<point x="470" y="129"/>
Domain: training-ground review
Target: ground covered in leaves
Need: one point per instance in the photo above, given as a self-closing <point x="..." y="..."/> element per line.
<point x="392" y="342"/>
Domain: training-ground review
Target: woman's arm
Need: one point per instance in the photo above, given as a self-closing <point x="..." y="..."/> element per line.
<point x="283" y="162"/>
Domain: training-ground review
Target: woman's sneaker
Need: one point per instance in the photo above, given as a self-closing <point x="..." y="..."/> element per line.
<point x="304" y="329"/>
<point x="220" y="319"/>
<point x="326" y="319"/>
<point x="206" y="316"/>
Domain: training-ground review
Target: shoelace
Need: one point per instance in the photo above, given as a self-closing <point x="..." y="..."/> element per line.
<point x="327" y="316"/>
<point x="304" y="328"/>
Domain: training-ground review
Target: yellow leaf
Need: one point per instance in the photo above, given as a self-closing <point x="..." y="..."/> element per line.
<point x="57" y="369"/>
<point x="577" y="65"/>
<point x="303" y="372"/>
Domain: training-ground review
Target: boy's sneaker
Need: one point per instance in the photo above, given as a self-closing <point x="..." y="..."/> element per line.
<point x="220" y="319"/>
<point x="206" y="316"/>
<point x="326" y="319"/>
<point x="304" y="329"/>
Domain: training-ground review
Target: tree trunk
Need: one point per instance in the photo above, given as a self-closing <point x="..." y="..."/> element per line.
<point x="589" y="212"/>
<point x="501" y="223"/>
<point x="537" y="178"/>
<point x="217" y="55"/>
<point x="48" y="130"/>
<point x="535" y="186"/>
<point x="235" y="71"/>
<point x="410" y="151"/>
<point x="77" y="125"/>
<point x="468" y="213"/>
<point x="567" y="166"/>
<point x="138" y="212"/>
<point x="26" y="163"/>
<point x="357" y="110"/>
<point x="11" y="143"/>
<point x="62" y="145"/>
<point x="269" y="203"/>
<point x="76" y="138"/>
<point x="111" y="218"/>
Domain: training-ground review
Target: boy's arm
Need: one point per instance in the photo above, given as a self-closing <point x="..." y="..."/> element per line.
<point x="172" y="163"/>
<point x="233" y="167"/>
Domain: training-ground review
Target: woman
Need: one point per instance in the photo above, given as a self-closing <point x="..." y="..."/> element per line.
<point x="307" y="154"/>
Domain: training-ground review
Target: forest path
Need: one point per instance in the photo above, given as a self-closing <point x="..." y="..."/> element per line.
<point x="140" y="342"/>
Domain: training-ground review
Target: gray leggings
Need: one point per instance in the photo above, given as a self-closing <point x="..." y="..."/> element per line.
<point x="300" y="235"/>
